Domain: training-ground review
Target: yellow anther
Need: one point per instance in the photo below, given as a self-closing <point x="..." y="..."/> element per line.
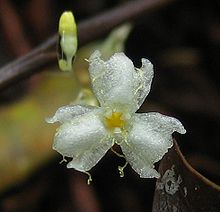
<point x="115" y="120"/>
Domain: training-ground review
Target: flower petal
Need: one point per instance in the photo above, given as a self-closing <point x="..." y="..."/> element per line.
<point x="68" y="112"/>
<point x="113" y="80"/>
<point x="117" y="82"/>
<point x="149" y="139"/>
<point x="144" y="78"/>
<point x="84" y="139"/>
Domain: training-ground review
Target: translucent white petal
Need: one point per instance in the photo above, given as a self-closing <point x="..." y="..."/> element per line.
<point x="113" y="80"/>
<point x="117" y="82"/>
<point x="84" y="139"/>
<point x="68" y="112"/>
<point x="149" y="139"/>
<point x="144" y="78"/>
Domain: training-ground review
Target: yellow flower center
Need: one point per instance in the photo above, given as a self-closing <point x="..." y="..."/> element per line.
<point x="115" y="120"/>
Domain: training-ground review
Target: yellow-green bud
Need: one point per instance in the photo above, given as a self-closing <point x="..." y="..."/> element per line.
<point x="67" y="41"/>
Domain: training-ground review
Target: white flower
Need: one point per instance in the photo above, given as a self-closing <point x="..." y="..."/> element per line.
<point x="88" y="132"/>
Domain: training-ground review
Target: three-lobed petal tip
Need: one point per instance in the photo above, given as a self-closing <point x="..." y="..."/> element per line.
<point x="148" y="141"/>
<point x="117" y="82"/>
<point x="87" y="133"/>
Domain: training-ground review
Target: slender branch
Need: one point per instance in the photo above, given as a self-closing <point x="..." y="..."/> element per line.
<point x="88" y="30"/>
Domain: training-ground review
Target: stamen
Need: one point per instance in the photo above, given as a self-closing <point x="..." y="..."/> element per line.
<point x="120" y="168"/>
<point x="89" y="178"/>
<point x="113" y="142"/>
<point x="118" y="154"/>
<point x="119" y="142"/>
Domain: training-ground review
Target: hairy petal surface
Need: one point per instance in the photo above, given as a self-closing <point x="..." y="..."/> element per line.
<point x="149" y="139"/>
<point x="143" y="77"/>
<point x="84" y="139"/>
<point x="68" y="112"/>
<point x="113" y="80"/>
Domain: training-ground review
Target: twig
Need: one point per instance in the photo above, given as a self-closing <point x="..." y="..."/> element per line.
<point x="87" y="31"/>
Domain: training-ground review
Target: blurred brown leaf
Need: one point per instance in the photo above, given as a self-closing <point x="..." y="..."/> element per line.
<point x="182" y="188"/>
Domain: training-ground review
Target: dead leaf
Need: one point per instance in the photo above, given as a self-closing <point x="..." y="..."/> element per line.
<point x="182" y="188"/>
